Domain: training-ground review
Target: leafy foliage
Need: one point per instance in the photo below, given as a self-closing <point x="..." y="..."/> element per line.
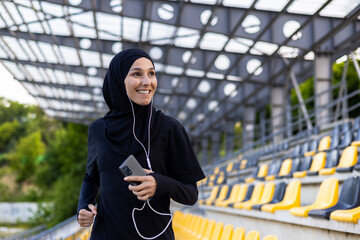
<point x="41" y="160"/>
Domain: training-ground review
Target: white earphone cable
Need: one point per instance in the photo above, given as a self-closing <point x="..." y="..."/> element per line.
<point x="147" y="154"/>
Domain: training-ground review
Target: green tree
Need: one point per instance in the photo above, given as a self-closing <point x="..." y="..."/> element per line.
<point x="63" y="168"/>
<point x="352" y="84"/>
<point x="26" y="155"/>
<point x="8" y="132"/>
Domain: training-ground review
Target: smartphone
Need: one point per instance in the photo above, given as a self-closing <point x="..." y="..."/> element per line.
<point x="131" y="167"/>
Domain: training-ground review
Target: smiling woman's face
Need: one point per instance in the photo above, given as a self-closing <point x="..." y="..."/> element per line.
<point x="141" y="82"/>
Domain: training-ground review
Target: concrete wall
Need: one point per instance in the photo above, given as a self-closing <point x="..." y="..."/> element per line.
<point x="17" y="212"/>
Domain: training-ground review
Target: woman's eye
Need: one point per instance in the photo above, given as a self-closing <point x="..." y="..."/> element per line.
<point x="136" y="74"/>
<point x="152" y="73"/>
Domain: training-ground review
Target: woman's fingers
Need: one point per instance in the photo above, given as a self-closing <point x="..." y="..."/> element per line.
<point x="86" y="217"/>
<point x="144" y="190"/>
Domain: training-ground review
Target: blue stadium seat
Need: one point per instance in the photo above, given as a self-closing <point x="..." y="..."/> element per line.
<point x="349" y="198"/>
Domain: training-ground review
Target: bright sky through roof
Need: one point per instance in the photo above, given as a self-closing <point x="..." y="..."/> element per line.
<point x="186" y="37"/>
<point x="12" y="89"/>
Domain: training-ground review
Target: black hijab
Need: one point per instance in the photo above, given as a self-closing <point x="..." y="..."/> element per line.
<point x="119" y="120"/>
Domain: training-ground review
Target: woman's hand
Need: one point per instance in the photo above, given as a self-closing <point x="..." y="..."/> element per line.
<point x="86" y="217"/>
<point x="146" y="189"/>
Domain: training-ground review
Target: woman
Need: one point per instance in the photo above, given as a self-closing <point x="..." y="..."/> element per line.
<point x="158" y="142"/>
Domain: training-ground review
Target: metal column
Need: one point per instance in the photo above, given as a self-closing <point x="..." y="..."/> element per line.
<point x="323" y="73"/>
<point x="249" y="125"/>
<point x="277" y="112"/>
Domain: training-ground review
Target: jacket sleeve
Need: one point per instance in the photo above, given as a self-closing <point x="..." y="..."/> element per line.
<point x="91" y="181"/>
<point x="180" y="192"/>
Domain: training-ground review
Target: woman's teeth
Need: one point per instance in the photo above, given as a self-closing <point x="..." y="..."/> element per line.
<point x="144" y="92"/>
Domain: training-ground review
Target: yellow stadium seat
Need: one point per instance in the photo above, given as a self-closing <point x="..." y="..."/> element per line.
<point x="190" y="232"/>
<point x="201" y="229"/>
<point x="239" y="234"/>
<point x="227" y="232"/>
<point x="213" y="195"/>
<point x="252" y="235"/>
<point x="240" y="196"/>
<point x="270" y="237"/>
<point x="216" y="170"/>
<point x="222" y="195"/>
<point x="261" y="173"/>
<point x="217" y="231"/>
<point x="350" y="215"/>
<point x="255" y="197"/>
<point x="348" y="159"/>
<point x="327" y="196"/>
<point x="324" y="143"/>
<point x="284" y="170"/>
<point x="208" y="231"/>
<point x="243" y="163"/>
<point x="232" y="198"/>
<point x="229" y="167"/>
<point x="291" y="198"/>
<point x="266" y="196"/>
<point x="318" y="163"/>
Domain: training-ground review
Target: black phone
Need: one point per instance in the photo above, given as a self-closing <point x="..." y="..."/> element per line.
<point x="131" y="167"/>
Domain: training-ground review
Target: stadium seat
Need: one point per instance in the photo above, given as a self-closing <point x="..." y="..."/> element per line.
<point x="296" y="151"/>
<point x="186" y="231"/>
<point x="345" y="139"/>
<point x="324" y="143"/>
<point x="255" y="197"/>
<point x="346" y="126"/>
<point x="252" y="235"/>
<point x="295" y="166"/>
<point x="277" y="197"/>
<point x="273" y="170"/>
<point x="230" y="167"/>
<point x="232" y="197"/>
<point x="327" y="197"/>
<point x="266" y="196"/>
<point x="284" y="170"/>
<point x="252" y="176"/>
<point x="243" y="164"/>
<point x="217" y="231"/>
<point x="349" y="198"/>
<point x="291" y="198"/>
<point x="222" y="195"/>
<point x="332" y="159"/>
<point x="213" y="195"/>
<point x="227" y="232"/>
<point x="318" y="162"/>
<point x="209" y="230"/>
<point x="350" y="215"/>
<point x="346" y="164"/>
<point x="356" y="140"/>
<point x="201" y="229"/>
<point x="270" y="237"/>
<point x="263" y="170"/>
<point x="244" y="194"/>
<point x="304" y="165"/>
<point x="356" y="124"/>
<point x="357" y="166"/>
<point x="239" y="234"/>
<point x="220" y="178"/>
<point x="216" y="170"/>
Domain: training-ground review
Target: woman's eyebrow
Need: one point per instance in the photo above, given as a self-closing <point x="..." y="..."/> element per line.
<point x="140" y="69"/>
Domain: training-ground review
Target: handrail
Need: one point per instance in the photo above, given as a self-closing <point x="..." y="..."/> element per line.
<point x="49" y="232"/>
<point x="26" y="233"/>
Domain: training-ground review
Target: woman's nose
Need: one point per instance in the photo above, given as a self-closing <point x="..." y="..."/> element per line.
<point x="145" y="81"/>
